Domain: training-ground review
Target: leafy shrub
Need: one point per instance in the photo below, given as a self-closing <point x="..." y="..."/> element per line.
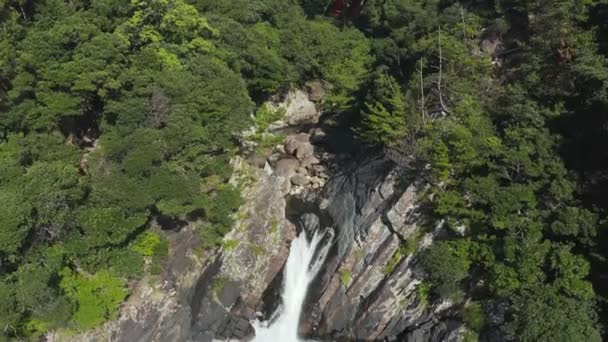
<point x="146" y="243"/>
<point x="96" y="297"/>
<point x="345" y="277"/>
<point x="423" y="291"/>
<point x="447" y="263"/>
<point x="474" y="316"/>
<point x="265" y="115"/>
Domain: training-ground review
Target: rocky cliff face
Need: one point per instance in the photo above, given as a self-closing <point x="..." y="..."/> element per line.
<point x="371" y="286"/>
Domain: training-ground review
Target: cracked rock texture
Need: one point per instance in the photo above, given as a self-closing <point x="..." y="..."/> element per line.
<point x="366" y="291"/>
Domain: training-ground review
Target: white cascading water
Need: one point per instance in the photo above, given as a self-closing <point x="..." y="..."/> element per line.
<point x="302" y="266"/>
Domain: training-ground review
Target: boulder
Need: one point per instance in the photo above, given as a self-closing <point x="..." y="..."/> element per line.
<point x="273" y="158"/>
<point x="308" y="222"/>
<point x="299" y="109"/>
<point x="283" y="184"/>
<point x="317" y="182"/>
<point x="403" y="215"/>
<point x="257" y="160"/>
<point x="279" y="124"/>
<point x="302" y="170"/>
<point x="310" y="161"/>
<point x="280" y="149"/>
<point x="317" y="179"/>
<point x="299" y="145"/>
<point x="296" y="139"/>
<point x="299" y="179"/>
<point x="304" y="152"/>
<point x="286" y="167"/>
<point x="315" y="90"/>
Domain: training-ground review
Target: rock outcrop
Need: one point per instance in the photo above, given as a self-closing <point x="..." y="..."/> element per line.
<point x="370" y="288"/>
<point x="252" y="257"/>
<point x="300" y="108"/>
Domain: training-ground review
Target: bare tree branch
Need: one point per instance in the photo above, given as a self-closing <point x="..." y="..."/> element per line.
<point x="464" y="34"/>
<point x="389" y="82"/>
<point x="159" y="105"/>
<point x="422" y="104"/>
<point x="444" y="110"/>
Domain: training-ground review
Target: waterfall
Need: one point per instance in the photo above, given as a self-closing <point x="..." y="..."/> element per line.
<point x="303" y="264"/>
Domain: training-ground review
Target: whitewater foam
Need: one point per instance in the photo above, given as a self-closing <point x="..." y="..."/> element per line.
<point x="302" y="266"/>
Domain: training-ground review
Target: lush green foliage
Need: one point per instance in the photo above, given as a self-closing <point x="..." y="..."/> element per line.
<point x="147" y="244"/>
<point x="96" y="298"/>
<point x="498" y="137"/>
<point x="448" y="262"/>
<point x="118" y="116"/>
<point x="384" y="117"/>
<point x="474" y="316"/>
<point x="345" y="277"/>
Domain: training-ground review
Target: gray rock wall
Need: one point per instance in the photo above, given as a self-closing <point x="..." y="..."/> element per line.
<point x="368" y="290"/>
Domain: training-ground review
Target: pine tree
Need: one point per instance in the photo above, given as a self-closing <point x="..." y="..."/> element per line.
<point x="384" y="117"/>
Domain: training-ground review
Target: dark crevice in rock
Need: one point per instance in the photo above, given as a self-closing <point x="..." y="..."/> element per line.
<point x="202" y="288"/>
<point x="271" y="298"/>
<point x="297" y="207"/>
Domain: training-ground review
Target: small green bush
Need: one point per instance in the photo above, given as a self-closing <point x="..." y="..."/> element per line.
<point x="447" y="263"/>
<point x="345" y="277"/>
<point x="423" y="291"/>
<point x="474" y="316"/>
<point x="470" y="336"/>
<point x="95" y="297"/>
<point x="229" y="245"/>
<point x="154" y="246"/>
<point x="412" y="242"/>
<point x="265" y="115"/>
<point x="146" y="244"/>
<point x="217" y="285"/>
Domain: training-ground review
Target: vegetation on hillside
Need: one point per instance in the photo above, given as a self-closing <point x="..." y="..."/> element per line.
<point x="115" y="116"/>
<point x="511" y="139"/>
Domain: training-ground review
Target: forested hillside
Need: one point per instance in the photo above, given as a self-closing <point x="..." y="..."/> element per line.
<point x="504" y="104"/>
<point x="118" y="120"/>
<point x="116" y="115"/>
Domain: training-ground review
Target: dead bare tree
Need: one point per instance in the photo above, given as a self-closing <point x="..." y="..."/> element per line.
<point x="403" y="151"/>
<point x="422" y="100"/>
<point x="388" y="79"/>
<point x="464" y="34"/>
<point x="444" y="110"/>
<point x="159" y="107"/>
<point x="22" y="11"/>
